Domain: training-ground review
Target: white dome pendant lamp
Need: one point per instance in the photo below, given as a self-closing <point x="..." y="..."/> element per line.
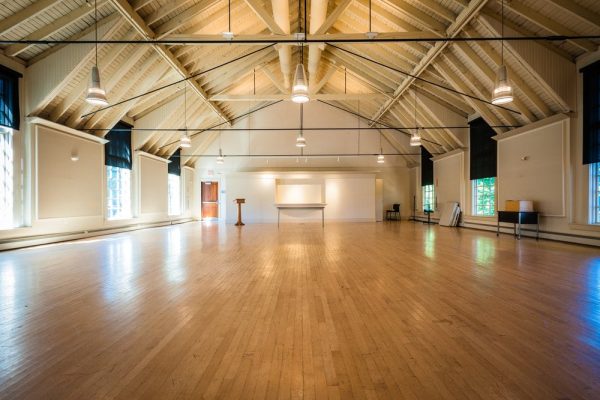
<point x="503" y="91"/>
<point x="415" y="139"/>
<point x="185" y="141"/>
<point x="300" y="84"/>
<point x="95" y="94"/>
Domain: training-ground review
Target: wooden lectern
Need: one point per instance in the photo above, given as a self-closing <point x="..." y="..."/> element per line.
<point x="239" y="204"/>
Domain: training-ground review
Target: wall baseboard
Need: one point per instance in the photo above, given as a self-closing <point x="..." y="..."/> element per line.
<point x="37" y="240"/>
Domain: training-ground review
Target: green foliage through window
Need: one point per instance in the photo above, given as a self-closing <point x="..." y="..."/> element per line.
<point x="428" y="199"/>
<point x="484" y="196"/>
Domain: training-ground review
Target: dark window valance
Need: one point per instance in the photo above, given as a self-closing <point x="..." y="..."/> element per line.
<point x="9" y="98"/>
<point x="483" y="151"/>
<point x="591" y="113"/>
<point x="175" y="164"/>
<point x="426" y="167"/>
<point x="117" y="152"/>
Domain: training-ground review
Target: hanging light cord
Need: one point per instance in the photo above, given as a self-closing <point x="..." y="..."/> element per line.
<point x="502" y="32"/>
<point x="229" y="16"/>
<point x="185" y="106"/>
<point x="96" y="29"/>
<point x="416" y="125"/>
<point x="370" y="16"/>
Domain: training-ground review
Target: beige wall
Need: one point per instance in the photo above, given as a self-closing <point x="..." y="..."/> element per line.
<point x="349" y="196"/>
<point x="68" y="188"/>
<point x="68" y="197"/>
<point x="447" y="171"/>
<point x="153" y="185"/>
<point x="539" y="162"/>
<point x="531" y="166"/>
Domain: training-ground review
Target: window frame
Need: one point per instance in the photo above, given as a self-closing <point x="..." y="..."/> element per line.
<point x="481" y="183"/>
<point x="125" y="197"/>
<point x="171" y="199"/>
<point x="425" y="190"/>
<point x="7" y="178"/>
<point x="594" y="193"/>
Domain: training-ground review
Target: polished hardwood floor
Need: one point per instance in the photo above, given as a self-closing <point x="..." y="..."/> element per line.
<point x="357" y="310"/>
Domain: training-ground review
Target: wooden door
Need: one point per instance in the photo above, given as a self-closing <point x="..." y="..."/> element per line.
<point x="210" y="200"/>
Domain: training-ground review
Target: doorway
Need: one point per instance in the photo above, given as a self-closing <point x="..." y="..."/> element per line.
<point x="210" y="200"/>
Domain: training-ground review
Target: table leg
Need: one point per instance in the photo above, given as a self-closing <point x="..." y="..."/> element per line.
<point x="323" y="217"/>
<point x="498" y="228"/>
<point x="537" y="230"/>
<point x="519" y="236"/>
<point x="278" y="212"/>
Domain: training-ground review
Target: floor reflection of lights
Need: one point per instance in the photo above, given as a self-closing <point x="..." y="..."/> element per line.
<point x="11" y="351"/>
<point x="119" y="270"/>
<point x="175" y="270"/>
<point x="429" y="243"/>
<point x="590" y="309"/>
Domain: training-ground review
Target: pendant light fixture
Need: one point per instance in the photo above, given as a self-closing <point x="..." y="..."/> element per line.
<point x="185" y="141"/>
<point x="301" y="140"/>
<point x="380" y="157"/>
<point x="228" y="34"/>
<point x="503" y="91"/>
<point x="220" y="158"/>
<point x="95" y="94"/>
<point x="300" y="84"/>
<point x="415" y="139"/>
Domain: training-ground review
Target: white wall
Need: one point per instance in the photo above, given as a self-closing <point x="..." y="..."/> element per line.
<point x="539" y="162"/>
<point x="447" y="171"/>
<point x="153" y="185"/>
<point x="69" y="197"/>
<point x="349" y="196"/>
<point x="532" y="166"/>
<point x="68" y="188"/>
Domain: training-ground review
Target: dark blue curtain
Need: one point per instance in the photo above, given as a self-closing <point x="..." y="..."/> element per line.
<point x="426" y="167"/>
<point x="9" y="98"/>
<point x="117" y="152"/>
<point x="175" y="164"/>
<point x="591" y="113"/>
<point x="483" y="151"/>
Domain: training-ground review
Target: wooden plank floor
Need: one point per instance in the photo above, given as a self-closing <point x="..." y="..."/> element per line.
<point x="387" y="310"/>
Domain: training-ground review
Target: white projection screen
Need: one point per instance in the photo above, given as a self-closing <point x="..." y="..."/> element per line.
<point x="299" y="191"/>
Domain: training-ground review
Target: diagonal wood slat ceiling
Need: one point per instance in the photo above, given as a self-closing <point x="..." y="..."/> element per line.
<point x="384" y="94"/>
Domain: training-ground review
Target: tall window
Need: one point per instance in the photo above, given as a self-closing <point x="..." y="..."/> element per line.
<point x="595" y="193"/>
<point x="175" y="183"/>
<point x="591" y="135"/>
<point x="427" y="180"/>
<point x="6" y="178"/>
<point x="9" y="121"/>
<point x="118" y="192"/>
<point x="118" y="160"/>
<point x="484" y="196"/>
<point x="428" y="198"/>
<point x="483" y="165"/>
<point x="174" y="195"/>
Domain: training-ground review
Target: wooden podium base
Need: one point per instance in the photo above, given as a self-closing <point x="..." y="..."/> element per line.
<point x="239" y="205"/>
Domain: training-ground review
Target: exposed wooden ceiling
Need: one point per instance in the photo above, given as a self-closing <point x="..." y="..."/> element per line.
<point x="341" y="78"/>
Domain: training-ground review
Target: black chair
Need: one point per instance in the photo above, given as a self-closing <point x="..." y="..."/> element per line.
<point x="394" y="213"/>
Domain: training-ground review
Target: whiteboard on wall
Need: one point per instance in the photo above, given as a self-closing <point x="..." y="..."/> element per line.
<point x="531" y="166"/>
<point x="299" y="194"/>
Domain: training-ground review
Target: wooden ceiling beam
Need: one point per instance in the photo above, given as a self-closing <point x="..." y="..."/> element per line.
<point x="453" y="30"/>
<point x="136" y="21"/>
<point x="50" y="29"/>
<point x="476" y="61"/>
<point x="25" y="14"/>
<point x="514" y="76"/>
<point x="549" y="24"/>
